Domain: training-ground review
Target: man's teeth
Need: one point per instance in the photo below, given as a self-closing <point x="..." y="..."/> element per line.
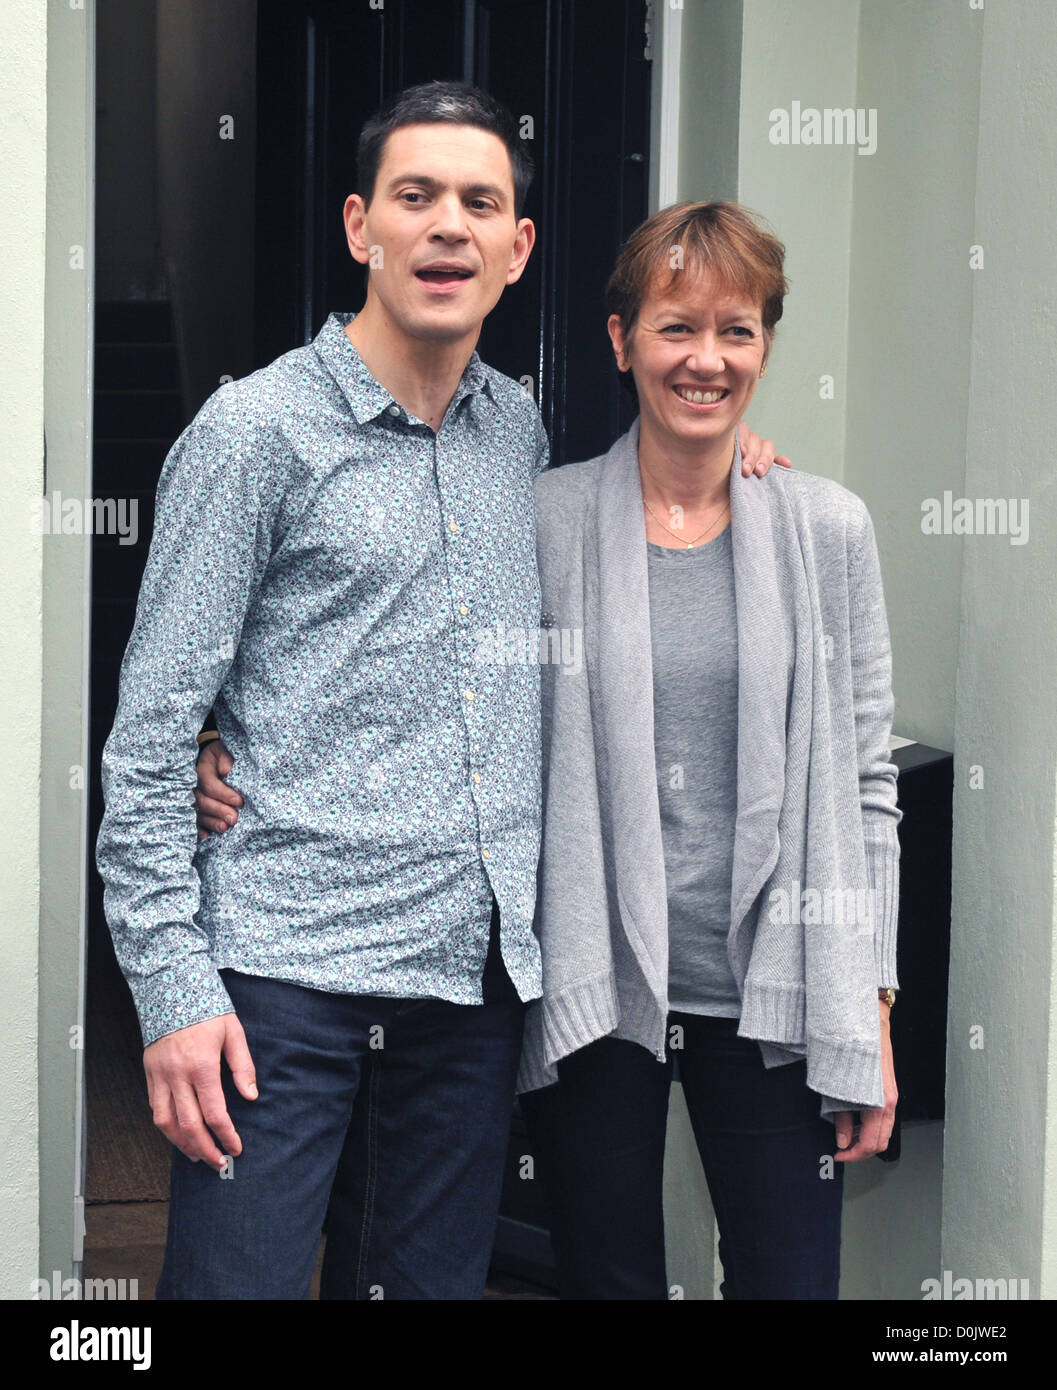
<point x="700" y="397"/>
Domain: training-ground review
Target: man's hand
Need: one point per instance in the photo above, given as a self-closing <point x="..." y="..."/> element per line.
<point x="758" y="454"/>
<point x="216" y="801"/>
<point x="875" y="1128"/>
<point x="183" y="1083"/>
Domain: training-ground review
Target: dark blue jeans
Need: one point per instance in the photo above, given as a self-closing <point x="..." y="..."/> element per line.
<point x="599" y="1138"/>
<point x="399" y="1147"/>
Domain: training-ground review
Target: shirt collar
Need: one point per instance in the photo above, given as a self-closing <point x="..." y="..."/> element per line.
<point x="367" y="397"/>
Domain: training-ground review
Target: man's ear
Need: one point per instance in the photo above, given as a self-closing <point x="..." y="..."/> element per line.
<point x="524" y="240"/>
<point x="354" y="216"/>
<point x="617" y="336"/>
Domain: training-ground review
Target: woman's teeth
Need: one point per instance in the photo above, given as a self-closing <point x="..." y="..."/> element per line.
<point x="700" y="397"/>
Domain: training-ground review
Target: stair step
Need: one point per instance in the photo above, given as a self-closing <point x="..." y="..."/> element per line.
<point x="119" y="366"/>
<point x="136" y="414"/>
<point x="133" y="321"/>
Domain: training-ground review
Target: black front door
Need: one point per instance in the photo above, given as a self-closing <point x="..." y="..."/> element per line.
<point x="572" y="72"/>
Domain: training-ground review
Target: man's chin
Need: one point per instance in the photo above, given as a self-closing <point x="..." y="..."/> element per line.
<point x="440" y="328"/>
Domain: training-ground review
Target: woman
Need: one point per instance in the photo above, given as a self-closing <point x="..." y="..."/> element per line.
<point x="718" y="880"/>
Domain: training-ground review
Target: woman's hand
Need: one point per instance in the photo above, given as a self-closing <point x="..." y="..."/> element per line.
<point x="875" y="1128"/>
<point x="216" y="801"/>
<point x="758" y="454"/>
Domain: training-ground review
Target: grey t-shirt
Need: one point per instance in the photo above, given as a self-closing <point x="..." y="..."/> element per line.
<point x="694" y="638"/>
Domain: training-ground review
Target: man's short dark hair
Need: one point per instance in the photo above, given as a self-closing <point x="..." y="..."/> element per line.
<point x="442" y="103"/>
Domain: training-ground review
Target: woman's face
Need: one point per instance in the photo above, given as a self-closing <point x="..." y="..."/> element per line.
<point x="696" y="352"/>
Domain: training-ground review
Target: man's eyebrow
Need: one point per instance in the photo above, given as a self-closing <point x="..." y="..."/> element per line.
<point x="431" y="185"/>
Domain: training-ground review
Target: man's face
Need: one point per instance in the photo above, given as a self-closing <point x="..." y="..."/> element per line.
<point x="440" y="235"/>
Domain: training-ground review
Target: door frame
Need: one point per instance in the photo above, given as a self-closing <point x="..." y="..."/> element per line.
<point x="65" y="636"/>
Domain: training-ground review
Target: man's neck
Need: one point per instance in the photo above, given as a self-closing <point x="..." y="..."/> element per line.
<point x="421" y="375"/>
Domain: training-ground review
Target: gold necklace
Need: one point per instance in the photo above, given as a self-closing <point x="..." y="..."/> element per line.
<point x="689" y="544"/>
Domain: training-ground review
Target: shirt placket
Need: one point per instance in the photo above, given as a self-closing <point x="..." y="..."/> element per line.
<point x="465" y="604"/>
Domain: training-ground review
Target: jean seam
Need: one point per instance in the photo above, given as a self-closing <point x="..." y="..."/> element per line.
<point x="373" y="1085"/>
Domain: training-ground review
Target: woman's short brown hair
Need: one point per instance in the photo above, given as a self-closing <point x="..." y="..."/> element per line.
<point x="721" y="238"/>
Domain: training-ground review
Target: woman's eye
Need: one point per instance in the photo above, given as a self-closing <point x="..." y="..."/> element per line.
<point x="740" y="329"/>
<point x="674" y="328"/>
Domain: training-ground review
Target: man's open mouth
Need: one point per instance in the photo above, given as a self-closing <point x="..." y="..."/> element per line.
<point x="443" y="275"/>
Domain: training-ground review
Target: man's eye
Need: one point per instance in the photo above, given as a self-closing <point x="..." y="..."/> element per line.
<point x="409" y="196"/>
<point x="674" y="328"/>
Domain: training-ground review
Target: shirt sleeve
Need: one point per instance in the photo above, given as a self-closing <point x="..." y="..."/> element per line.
<point x="874" y="708"/>
<point x="543" y="447"/>
<point x="210" y="547"/>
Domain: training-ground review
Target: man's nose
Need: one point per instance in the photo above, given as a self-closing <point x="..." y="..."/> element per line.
<point x="450" y="220"/>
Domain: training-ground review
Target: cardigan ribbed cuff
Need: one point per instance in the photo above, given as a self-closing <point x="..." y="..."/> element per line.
<point x="882" y="867"/>
<point x="847" y="1075"/>
<point x="560" y="1024"/>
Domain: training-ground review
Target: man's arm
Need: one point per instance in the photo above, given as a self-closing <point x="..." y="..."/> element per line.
<point x="210" y="547"/>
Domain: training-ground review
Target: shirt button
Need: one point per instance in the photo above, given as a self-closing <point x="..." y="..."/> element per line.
<point x="394" y="410"/>
<point x="452" y="527"/>
<point x="469" y="694"/>
<point x="485" y="854"/>
<point x="477" y="777"/>
<point x="463" y="609"/>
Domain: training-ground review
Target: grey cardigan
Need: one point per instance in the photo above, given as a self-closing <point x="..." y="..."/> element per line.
<point x="814" y="894"/>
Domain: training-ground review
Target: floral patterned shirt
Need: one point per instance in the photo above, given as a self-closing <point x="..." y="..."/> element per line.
<point x="338" y="581"/>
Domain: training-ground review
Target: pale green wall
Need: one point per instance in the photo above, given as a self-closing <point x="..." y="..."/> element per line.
<point x="709" y="105"/>
<point x="23" y="134"/>
<point x="804" y="52"/>
<point x="909" y="328"/>
<point x="1000" y="1124"/>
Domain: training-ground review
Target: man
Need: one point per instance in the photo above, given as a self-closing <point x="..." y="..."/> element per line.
<point x="332" y="531"/>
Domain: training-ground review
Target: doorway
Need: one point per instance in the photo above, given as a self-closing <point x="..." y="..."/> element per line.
<point x="220" y="246"/>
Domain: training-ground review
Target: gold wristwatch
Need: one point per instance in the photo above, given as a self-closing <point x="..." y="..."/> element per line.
<point x="887" y="996"/>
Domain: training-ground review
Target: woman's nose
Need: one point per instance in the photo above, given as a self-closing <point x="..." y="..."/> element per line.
<point x="705" y="356"/>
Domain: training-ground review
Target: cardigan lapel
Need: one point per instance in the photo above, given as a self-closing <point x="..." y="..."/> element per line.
<point x="625" y="667"/>
<point x="763" y="656"/>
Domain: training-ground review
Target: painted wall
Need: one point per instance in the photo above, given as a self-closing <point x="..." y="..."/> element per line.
<point x="23" y="134"/>
<point x="804" y="53"/>
<point x="909" y="328"/>
<point x="1001" y="1122"/>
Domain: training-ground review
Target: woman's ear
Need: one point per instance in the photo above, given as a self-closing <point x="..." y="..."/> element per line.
<point x="615" y="325"/>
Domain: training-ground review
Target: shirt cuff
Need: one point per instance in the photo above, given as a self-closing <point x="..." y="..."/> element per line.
<point x="179" y="995"/>
<point x="882" y="867"/>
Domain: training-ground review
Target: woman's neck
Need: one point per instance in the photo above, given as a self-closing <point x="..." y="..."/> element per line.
<point x="695" y="480"/>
